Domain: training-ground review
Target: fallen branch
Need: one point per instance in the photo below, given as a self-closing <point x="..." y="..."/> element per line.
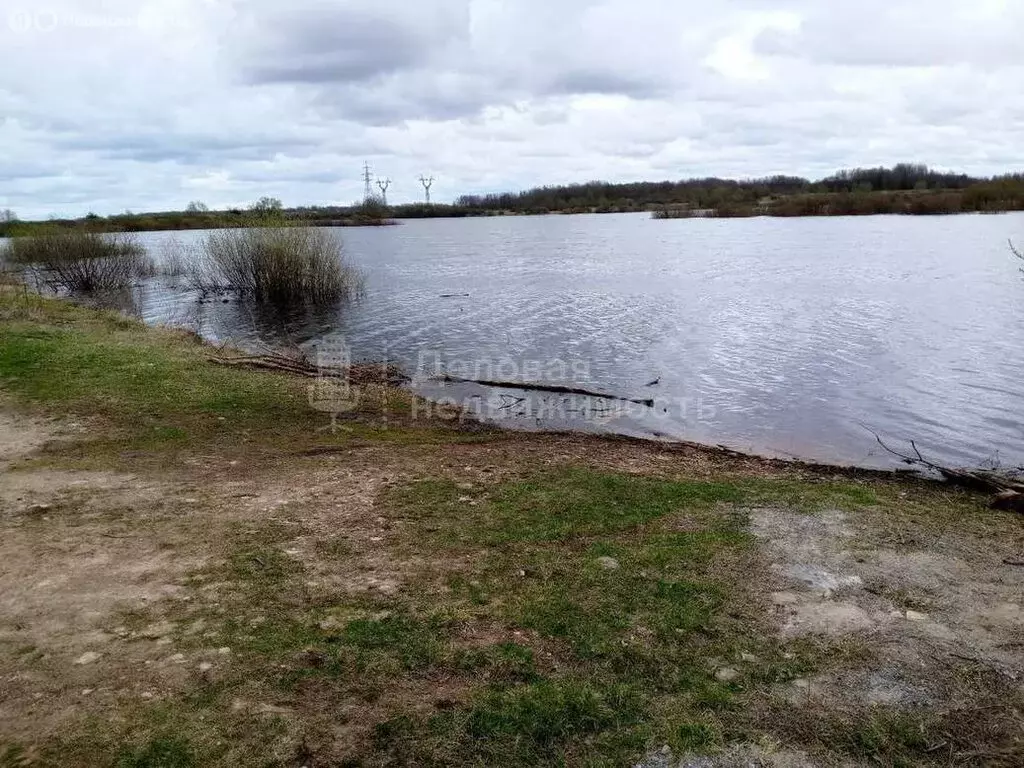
<point x="357" y="373"/>
<point x="527" y="387"/>
<point x="270" y="362"/>
<point x="511" y="402"/>
<point x="1010" y="494"/>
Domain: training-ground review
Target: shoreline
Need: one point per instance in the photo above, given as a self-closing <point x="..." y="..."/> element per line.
<point x="201" y="568"/>
<point x="374" y="374"/>
<point x="663" y="213"/>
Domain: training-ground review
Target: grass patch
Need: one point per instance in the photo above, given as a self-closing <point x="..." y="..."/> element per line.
<point x="553" y="507"/>
<point x="155" y="384"/>
<point x="542" y="714"/>
<point x="164" y="752"/>
<point x="812" y="494"/>
<point x="630" y="586"/>
<point x="547" y="722"/>
<point x="150" y="390"/>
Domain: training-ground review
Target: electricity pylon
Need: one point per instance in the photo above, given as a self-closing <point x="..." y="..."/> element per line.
<point x="427" y="184"/>
<point x="367" y="181"/>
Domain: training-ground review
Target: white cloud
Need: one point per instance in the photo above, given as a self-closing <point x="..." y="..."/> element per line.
<point x="107" y="105"/>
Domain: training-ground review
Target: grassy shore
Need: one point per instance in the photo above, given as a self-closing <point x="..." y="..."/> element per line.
<point x="194" y="571"/>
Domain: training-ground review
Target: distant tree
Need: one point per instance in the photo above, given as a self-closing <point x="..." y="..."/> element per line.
<point x="92" y="216"/>
<point x="372" y="209"/>
<point x="267" y="206"/>
<point x="197" y="206"/>
<point x="7" y="216"/>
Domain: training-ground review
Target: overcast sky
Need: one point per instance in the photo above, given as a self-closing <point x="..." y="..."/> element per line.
<point x="148" y="104"/>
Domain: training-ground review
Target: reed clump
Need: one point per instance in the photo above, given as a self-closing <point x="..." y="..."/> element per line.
<point x="277" y="265"/>
<point x="81" y="261"/>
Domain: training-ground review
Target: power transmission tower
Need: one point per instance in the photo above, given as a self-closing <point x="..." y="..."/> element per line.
<point x="383" y="184"/>
<point x="427" y="184"/>
<point x="367" y="181"/>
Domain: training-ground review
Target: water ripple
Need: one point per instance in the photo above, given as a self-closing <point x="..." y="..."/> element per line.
<point x="785" y="336"/>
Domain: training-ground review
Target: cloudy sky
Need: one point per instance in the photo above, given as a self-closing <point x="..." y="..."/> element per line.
<point x="148" y="104"/>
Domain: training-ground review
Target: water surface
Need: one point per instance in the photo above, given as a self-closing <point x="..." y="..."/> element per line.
<point x="791" y="337"/>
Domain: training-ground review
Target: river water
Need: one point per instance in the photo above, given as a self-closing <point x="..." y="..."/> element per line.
<point x="789" y="337"/>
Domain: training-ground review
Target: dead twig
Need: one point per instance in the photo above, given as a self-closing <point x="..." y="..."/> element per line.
<point x="973" y="480"/>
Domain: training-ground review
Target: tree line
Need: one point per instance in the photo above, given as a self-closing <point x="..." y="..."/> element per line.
<point x="904" y="189"/>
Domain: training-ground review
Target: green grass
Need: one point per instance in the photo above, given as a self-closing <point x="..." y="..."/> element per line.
<point x="152" y="384"/>
<point x="154" y="391"/>
<point x="811" y="494"/>
<point x="166" y="752"/>
<point x="632" y="642"/>
<point x="553" y="507"/>
<point x="543" y="714"/>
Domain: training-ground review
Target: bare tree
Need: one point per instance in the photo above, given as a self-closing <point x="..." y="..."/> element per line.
<point x="197" y="206"/>
<point x="7" y="216"/>
<point x="1018" y="254"/>
<point x="267" y="206"/>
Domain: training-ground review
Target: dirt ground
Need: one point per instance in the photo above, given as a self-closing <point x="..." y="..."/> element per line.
<point x="91" y="563"/>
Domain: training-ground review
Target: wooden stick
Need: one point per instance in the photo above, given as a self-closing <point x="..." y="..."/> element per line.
<point x="527" y="387"/>
<point x="978" y="481"/>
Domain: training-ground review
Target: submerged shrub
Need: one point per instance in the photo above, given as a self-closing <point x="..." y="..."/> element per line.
<point x="174" y="258"/>
<point x="81" y="261"/>
<point x="280" y="265"/>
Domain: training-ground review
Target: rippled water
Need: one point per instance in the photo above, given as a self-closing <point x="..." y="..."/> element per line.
<point x="781" y="336"/>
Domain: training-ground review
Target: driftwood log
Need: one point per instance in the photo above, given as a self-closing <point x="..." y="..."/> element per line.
<point x="528" y="387"/>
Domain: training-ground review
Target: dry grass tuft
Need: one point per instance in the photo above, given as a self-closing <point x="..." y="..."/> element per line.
<point x="280" y="265"/>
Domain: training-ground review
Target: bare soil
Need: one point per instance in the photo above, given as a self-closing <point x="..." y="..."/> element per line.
<point x="91" y="561"/>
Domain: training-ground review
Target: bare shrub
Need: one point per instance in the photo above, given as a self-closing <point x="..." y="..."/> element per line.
<point x="280" y="265"/>
<point x="81" y="261"/>
<point x="174" y="258"/>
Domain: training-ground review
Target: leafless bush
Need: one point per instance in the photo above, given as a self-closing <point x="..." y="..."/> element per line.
<point x="175" y="258"/>
<point x="279" y="265"/>
<point x="81" y="261"/>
